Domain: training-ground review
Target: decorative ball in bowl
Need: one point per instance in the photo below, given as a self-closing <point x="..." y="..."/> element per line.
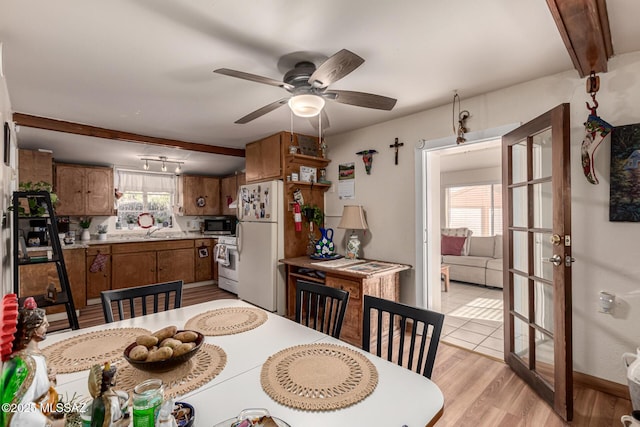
<point x="163" y="350"/>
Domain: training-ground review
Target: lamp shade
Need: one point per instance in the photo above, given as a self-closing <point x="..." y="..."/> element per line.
<point x="306" y="105"/>
<point x="353" y="218"/>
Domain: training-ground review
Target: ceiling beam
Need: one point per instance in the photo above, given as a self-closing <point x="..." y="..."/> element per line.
<point x="584" y="27"/>
<point x="27" y="120"/>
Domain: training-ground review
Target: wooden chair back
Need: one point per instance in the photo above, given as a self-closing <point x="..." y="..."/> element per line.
<point x="388" y="320"/>
<point x="321" y="307"/>
<point x="139" y="298"/>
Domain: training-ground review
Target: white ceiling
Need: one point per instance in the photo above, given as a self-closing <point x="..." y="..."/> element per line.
<point x="146" y="66"/>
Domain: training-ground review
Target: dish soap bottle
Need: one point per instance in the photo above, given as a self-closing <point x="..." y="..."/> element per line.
<point x="165" y="416"/>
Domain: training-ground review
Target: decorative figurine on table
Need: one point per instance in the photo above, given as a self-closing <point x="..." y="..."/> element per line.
<point x="26" y="386"/>
<point x="108" y="408"/>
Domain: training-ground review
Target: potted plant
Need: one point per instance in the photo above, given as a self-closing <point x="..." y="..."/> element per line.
<point x="313" y="215"/>
<point x="85" y="223"/>
<point x="102" y="232"/>
<point x="132" y="219"/>
<point x="36" y="207"/>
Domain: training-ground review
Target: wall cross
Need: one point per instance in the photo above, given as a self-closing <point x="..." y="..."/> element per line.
<point x="396" y="145"/>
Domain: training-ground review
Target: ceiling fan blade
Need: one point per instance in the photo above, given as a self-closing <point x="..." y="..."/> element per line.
<point x="252" y="77"/>
<point x="325" y="121"/>
<point x="335" y="68"/>
<point x="262" y="111"/>
<point x="361" y="99"/>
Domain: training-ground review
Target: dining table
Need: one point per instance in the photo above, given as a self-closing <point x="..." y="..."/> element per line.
<point x="400" y="397"/>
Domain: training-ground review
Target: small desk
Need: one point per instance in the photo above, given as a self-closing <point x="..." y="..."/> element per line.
<point x="355" y="278"/>
<point x="444" y="272"/>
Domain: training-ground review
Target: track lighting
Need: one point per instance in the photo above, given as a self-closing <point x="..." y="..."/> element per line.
<point x="164" y="161"/>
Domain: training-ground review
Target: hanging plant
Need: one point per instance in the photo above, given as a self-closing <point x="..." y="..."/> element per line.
<point x="313" y="214"/>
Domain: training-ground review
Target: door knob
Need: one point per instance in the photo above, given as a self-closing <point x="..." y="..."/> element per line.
<point x="555" y="239"/>
<point x="555" y="260"/>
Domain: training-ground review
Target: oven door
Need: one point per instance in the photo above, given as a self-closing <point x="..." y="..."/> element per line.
<point x="229" y="271"/>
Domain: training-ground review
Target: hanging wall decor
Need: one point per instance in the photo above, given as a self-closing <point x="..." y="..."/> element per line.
<point x="367" y="158"/>
<point x="396" y="145"/>
<point x="596" y="131"/>
<point x="624" y="196"/>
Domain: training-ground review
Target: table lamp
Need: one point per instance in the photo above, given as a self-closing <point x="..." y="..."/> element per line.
<point x="353" y="218"/>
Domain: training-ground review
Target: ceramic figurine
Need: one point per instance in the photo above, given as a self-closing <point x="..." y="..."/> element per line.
<point x="109" y="407"/>
<point x="26" y="386"/>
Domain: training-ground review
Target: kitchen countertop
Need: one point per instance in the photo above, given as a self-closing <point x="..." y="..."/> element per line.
<point x="137" y="238"/>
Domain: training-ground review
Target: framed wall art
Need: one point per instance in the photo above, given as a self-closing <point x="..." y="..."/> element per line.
<point x="624" y="193"/>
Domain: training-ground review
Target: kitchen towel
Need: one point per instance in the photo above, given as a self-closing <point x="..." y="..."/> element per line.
<point x="222" y="255"/>
<point x="99" y="263"/>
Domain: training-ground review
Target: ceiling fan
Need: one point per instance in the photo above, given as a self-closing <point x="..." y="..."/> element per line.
<point x="308" y="87"/>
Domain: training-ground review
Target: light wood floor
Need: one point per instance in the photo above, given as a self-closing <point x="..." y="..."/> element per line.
<point x="478" y="391"/>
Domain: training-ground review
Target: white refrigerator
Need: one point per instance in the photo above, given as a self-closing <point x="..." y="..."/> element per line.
<point x="260" y="235"/>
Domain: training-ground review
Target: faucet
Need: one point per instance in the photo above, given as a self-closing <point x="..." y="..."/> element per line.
<point x="150" y="232"/>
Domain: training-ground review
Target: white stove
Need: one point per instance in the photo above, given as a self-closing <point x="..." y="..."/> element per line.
<point x="226" y="255"/>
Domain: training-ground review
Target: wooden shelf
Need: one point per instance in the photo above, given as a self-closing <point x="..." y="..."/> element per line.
<point x="308" y="184"/>
<point x="305" y="160"/>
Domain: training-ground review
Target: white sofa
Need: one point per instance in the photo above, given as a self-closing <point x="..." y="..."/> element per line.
<point x="483" y="265"/>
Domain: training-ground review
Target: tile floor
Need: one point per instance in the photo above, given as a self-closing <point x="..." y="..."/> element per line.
<point x="473" y="318"/>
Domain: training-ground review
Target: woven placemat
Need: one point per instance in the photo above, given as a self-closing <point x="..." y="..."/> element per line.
<point x="227" y="321"/>
<point x="318" y="377"/>
<point x="82" y="351"/>
<point x="207" y="363"/>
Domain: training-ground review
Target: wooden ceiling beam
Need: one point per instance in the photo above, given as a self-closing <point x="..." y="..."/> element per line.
<point x="27" y="120"/>
<point x="584" y="28"/>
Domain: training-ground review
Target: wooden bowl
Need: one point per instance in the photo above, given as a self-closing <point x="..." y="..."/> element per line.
<point x="163" y="365"/>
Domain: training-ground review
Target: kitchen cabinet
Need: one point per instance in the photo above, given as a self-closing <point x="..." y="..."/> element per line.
<point x="263" y="159"/>
<point x="200" y="195"/>
<point x="229" y="186"/>
<point x="138" y="264"/>
<point x="177" y="264"/>
<point x="100" y="280"/>
<point x="35" y="166"/>
<point x="35" y="278"/>
<point x="204" y="265"/>
<point x="384" y="283"/>
<point x="84" y="190"/>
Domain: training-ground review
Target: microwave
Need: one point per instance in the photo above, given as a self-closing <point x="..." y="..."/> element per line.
<point x="220" y="225"/>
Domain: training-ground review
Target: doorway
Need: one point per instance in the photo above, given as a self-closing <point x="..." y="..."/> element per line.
<point x="473" y="313"/>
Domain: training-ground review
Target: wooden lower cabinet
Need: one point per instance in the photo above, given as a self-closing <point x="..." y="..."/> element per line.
<point x="35" y="278"/>
<point x="176" y="264"/>
<point x="133" y="269"/>
<point x="204" y="264"/>
<point x="100" y="280"/>
<point x="138" y="264"/>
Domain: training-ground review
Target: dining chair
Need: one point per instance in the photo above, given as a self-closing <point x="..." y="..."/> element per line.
<point x="387" y="319"/>
<point x="321" y="307"/>
<point x="139" y="297"/>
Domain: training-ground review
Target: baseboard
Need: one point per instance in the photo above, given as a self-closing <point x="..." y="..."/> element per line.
<point x="599" y="384"/>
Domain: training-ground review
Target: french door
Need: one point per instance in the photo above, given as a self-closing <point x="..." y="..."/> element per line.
<point x="537" y="246"/>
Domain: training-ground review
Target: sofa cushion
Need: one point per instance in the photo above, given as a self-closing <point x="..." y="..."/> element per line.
<point x="452" y="245"/>
<point x="498" y="250"/>
<point x="494" y="264"/>
<point x="481" y="246"/>
<point x="469" y="261"/>
<point x="461" y="231"/>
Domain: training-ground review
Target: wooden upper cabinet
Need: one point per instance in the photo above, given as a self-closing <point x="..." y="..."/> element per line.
<point x="264" y="159"/>
<point x="198" y="188"/>
<point x="84" y="190"/>
<point x="229" y="189"/>
<point x="35" y="166"/>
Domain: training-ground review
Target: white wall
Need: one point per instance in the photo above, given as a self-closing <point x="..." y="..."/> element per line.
<point x="606" y="253"/>
<point x="7" y="185"/>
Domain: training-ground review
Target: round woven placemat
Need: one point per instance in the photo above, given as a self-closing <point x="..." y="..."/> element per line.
<point x="227" y="321"/>
<point x="207" y="363"/>
<point x="318" y="377"/>
<point x="82" y="351"/>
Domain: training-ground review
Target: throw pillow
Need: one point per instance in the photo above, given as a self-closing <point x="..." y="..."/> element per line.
<point x="452" y="245"/>
<point x="460" y="231"/>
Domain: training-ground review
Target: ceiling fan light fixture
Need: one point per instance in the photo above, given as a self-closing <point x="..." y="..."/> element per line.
<point x="306" y="105"/>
